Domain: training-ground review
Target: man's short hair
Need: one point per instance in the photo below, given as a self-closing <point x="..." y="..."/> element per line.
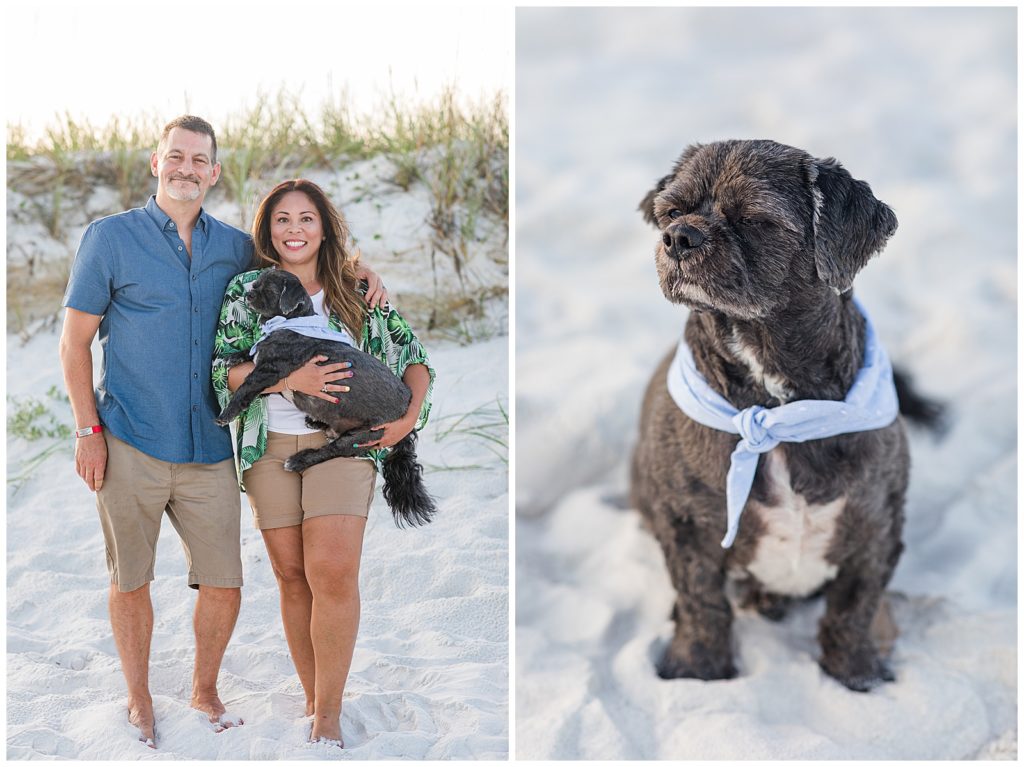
<point x="194" y="124"/>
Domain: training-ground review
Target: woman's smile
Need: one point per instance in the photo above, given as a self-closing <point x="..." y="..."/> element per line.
<point x="296" y="229"/>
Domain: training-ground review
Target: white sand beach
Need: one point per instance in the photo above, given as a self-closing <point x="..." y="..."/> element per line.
<point x="429" y="679"/>
<point x="921" y="103"/>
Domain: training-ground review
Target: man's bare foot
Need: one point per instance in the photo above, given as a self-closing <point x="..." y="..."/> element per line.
<point x="140" y="715"/>
<point x="210" y="705"/>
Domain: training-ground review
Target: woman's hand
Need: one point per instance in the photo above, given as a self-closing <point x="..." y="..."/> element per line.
<point x="394" y="432"/>
<point x="319" y="380"/>
<point x="417" y="378"/>
<point x="376" y="293"/>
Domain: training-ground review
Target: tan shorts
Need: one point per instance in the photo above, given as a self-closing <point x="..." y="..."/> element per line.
<point x="203" y="504"/>
<point x="282" y="498"/>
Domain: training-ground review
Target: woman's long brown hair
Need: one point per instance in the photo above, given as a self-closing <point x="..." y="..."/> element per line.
<point x="336" y="263"/>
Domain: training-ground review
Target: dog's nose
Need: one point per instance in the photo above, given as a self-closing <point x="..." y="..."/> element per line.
<point x="680" y="239"/>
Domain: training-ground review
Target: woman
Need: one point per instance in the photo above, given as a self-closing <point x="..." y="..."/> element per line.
<point x="312" y="523"/>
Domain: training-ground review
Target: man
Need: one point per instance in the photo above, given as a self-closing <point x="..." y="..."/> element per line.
<point x="150" y="281"/>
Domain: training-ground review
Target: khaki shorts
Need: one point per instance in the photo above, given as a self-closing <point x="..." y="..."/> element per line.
<point x="282" y="498"/>
<point x="203" y="504"/>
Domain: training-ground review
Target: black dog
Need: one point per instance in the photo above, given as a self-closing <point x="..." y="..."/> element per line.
<point x="762" y="241"/>
<point x="376" y="396"/>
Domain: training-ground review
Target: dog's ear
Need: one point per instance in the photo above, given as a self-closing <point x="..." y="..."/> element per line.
<point x="293" y="296"/>
<point x="850" y="225"/>
<point x="647" y="203"/>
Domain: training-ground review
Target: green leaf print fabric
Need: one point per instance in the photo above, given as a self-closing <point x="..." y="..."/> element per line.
<point x="386" y="335"/>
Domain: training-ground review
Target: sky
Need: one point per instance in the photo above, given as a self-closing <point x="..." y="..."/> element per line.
<point x="98" y="59"/>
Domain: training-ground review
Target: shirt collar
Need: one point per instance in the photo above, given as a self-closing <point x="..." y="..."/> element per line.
<point x="164" y="221"/>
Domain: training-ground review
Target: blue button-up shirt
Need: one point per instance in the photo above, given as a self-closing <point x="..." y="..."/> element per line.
<point x="160" y="310"/>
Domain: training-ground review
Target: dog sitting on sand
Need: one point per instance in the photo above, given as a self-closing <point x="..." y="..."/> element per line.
<point x="376" y="396"/>
<point x="770" y="446"/>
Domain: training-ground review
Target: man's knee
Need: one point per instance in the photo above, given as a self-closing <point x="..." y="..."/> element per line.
<point x="135" y="595"/>
<point x="220" y="594"/>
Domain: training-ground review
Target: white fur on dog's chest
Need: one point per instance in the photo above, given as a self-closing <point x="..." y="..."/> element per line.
<point x="790" y="554"/>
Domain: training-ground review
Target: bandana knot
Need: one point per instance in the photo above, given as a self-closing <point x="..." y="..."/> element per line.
<point x="751" y="427"/>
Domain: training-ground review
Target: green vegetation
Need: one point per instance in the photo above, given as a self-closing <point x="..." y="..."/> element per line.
<point x="277" y="138"/>
<point x="32" y="420"/>
<point x="457" y="151"/>
<point x="487" y="423"/>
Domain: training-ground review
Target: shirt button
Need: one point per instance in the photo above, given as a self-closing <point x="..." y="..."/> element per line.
<point x="196" y="342"/>
<point x="179" y="247"/>
<point x="195" y="375"/>
<point x="195" y="309"/>
<point x="195" y="277"/>
<point x="195" y="408"/>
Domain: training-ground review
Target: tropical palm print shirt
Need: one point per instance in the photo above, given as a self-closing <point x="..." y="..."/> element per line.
<point x="385" y="334"/>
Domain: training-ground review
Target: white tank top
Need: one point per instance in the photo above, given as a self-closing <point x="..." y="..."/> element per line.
<point x="282" y="416"/>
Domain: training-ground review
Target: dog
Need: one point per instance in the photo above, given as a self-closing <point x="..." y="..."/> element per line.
<point x="376" y="396"/>
<point x="762" y="242"/>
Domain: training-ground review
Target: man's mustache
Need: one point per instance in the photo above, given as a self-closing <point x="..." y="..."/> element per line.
<point x="193" y="179"/>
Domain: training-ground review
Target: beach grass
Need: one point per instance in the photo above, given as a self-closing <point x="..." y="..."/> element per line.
<point x="455" y="148"/>
<point x="278" y="135"/>
<point x="33" y="420"/>
<point x="486" y="424"/>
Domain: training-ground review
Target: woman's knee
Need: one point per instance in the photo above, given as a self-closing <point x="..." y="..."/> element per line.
<point x="337" y="578"/>
<point x="291" y="575"/>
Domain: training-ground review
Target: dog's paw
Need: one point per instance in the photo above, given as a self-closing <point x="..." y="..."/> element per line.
<point x="301" y="461"/>
<point x="861" y="673"/>
<point x="221" y="421"/>
<point x="293" y="465"/>
<point x="672" y="666"/>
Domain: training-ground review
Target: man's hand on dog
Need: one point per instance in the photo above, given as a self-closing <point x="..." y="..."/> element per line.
<point x="91" y="460"/>
<point x="318" y="380"/>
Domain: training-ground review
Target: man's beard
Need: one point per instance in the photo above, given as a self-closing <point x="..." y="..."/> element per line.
<point x="183" y="193"/>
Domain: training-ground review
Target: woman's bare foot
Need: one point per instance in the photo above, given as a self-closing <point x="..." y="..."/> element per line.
<point x="327" y="729"/>
<point x="309" y="707"/>
<point x="329" y="742"/>
<point x="209" y="704"/>
<point x="140" y="715"/>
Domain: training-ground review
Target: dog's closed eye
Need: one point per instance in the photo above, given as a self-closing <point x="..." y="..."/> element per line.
<point x="759" y="224"/>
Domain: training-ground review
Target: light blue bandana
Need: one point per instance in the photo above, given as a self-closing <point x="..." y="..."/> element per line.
<point x="314" y="326"/>
<point x="870" y="404"/>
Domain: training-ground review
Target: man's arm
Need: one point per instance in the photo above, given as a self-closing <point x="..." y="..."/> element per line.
<point x="376" y="293"/>
<point x="76" y="360"/>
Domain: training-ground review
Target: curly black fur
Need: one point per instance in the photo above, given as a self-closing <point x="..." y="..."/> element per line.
<point x="762" y="242"/>
<point x="920" y="410"/>
<point x="375" y="396"/>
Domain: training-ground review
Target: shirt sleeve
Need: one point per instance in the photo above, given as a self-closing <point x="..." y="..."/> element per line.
<point x="91" y="284"/>
<point x="387" y="336"/>
<point x="237" y="330"/>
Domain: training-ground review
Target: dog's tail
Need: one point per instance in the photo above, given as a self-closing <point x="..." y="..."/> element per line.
<point x="917" y="408"/>
<point x="403" y="485"/>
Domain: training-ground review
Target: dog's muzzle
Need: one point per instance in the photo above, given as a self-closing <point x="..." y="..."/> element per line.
<point x="681" y="240"/>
